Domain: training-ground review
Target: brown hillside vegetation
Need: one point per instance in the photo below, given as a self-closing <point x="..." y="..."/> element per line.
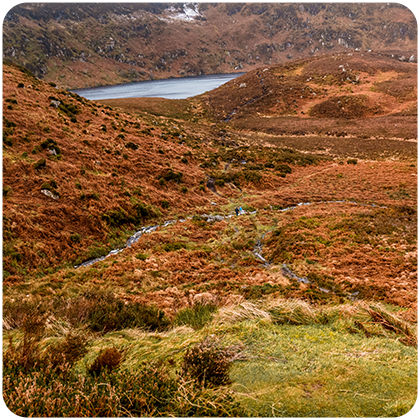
<point x="80" y="177"/>
<point x="96" y="160"/>
<point x="133" y="286"/>
<point x="337" y="87"/>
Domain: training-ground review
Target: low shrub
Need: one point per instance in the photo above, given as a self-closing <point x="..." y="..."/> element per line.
<point x="208" y="363"/>
<point x="153" y="390"/>
<point x="66" y="352"/>
<point x="283" y="168"/>
<point x="108" y="359"/>
<point x="75" y="237"/>
<point x="40" y="164"/>
<point x="51" y="144"/>
<point x="170" y="175"/>
<point x="142" y="257"/>
<point x="251" y="176"/>
<point x="69" y="109"/>
<point x="130" y="144"/>
<point x="174" y="246"/>
<point x="136" y="215"/>
<point x="105" y="312"/>
<point x="7" y="190"/>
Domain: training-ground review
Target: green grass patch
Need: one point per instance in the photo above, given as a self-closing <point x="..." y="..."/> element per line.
<point x="280" y="358"/>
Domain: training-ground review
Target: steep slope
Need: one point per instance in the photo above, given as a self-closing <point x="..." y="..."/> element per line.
<point x="80" y="45"/>
<point x="79" y="177"/>
<point x="74" y="170"/>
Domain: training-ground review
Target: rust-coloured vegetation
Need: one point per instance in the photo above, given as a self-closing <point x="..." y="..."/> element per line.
<point x="327" y="233"/>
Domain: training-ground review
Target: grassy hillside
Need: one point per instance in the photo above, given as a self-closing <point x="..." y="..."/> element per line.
<point x="293" y="308"/>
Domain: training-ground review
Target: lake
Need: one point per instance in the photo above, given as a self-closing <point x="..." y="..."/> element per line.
<point x="176" y="88"/>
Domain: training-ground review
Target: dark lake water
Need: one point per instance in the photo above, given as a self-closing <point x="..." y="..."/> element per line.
<point x="179" y="88"/>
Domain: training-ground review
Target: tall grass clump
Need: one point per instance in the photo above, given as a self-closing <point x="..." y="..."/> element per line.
<point x="196" y="316"/>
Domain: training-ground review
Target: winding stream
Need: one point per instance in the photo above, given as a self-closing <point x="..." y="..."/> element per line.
<point x="257" y="251"/>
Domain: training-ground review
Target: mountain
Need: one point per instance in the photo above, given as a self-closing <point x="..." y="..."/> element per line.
<point x="90" y="44"/>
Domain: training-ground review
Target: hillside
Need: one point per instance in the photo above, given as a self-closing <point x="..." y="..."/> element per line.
<point x="86" y="45"/>
<point x="323" y="96"/>
<point x="131" y="287"/>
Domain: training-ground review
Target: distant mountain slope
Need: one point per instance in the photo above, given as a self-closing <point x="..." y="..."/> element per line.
<point x="80" y="45"/>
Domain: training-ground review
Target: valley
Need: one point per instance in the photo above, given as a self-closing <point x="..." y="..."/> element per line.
<point x="293" y="308"/>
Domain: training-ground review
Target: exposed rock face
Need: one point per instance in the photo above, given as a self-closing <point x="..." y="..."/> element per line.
<point x="107" y="43"/>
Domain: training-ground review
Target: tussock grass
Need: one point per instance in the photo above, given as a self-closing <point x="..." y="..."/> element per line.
<point x="360" y="315"/>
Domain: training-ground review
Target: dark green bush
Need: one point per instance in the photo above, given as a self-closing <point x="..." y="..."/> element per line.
<point x="40" y="164"/>
<point x="51" y="144"/>
<point x="69" y="109"/>
<point x="7" y="189"/>
<point x="136" y="215"/>
<point x="108" y="313"/>
<point x="75" y="237"/>
<point x="174" y="246"/>
<point x="283" y="168"/>
<point x="142" y="257"/>
<point x="251" y="176"/>
<point x="170" y="175"/>
<point x="130" y="144"/>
